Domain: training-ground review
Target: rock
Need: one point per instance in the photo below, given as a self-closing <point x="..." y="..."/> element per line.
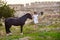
<point x="21" y="33"/>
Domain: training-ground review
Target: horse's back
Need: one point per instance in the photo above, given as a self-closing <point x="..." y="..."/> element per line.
<point x="13" y="21"/>
<point x="10" y="20"/>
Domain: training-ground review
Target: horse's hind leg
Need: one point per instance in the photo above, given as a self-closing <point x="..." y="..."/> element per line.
<point x="21" y="30"/>
<point x="7" y="27"/>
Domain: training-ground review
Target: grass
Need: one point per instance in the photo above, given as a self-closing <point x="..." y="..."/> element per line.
<point x="30" y="32"/>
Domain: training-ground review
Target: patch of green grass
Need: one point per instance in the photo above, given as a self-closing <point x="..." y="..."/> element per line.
<point x="29" y="31"/>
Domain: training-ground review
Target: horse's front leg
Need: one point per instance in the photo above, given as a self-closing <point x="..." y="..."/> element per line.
<point x="21" y="30"/>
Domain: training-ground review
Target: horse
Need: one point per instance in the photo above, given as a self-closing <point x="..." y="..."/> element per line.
<point x="16" y="22"/>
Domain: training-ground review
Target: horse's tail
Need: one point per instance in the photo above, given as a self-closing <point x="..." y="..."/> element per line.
<point x="5" y="22"/>
<point x="6" y="26"/>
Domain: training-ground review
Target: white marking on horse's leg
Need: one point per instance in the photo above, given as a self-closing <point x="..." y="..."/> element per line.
<point x="21" y="33"/>
<point x="9" y="34"/>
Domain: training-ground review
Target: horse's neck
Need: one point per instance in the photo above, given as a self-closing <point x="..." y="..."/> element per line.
<point x="23" y="18"/>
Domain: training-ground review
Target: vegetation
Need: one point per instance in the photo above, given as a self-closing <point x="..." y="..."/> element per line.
<point x="6" y="11"/>
<point x="51" y="32"/>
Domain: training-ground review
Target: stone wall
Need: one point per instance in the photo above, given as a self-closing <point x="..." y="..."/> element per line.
<point x="46" y="7"/>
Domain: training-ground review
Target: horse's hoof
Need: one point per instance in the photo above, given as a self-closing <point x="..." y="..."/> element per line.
<point x="21" y="33"/>
<point x="9" y="34"/>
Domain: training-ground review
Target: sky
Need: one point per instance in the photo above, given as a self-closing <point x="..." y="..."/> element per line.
<point x="25" y="1"/>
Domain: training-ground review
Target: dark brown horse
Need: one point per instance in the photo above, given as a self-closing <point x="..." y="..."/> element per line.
<point x="16" y="22"/>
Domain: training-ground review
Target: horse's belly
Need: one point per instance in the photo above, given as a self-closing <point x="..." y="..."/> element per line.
<point x="15" y="24"/>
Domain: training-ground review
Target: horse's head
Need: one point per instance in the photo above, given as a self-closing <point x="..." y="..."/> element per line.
<point x="29" y="15"/>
